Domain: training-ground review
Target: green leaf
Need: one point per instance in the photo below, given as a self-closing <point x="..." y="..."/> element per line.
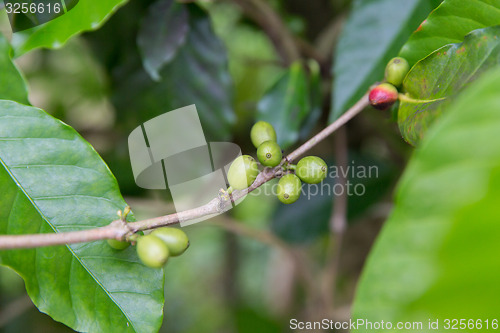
<point x="368" y="180"/>
<point x="53" y="181"/>
<point x="86" y="15"/>
<point x="162" y="32"/>
<point x="372" y="35"/>
<point x="286" y="105"/>
<point x="197" y="75"/>
<point x="434" y="81"/>
<point x="449" y="23"/>
<point x="12" y="84"/>
<point x="437" y="255"/>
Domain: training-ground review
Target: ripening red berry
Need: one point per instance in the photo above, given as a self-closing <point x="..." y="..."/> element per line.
<point x="383" y="96"/>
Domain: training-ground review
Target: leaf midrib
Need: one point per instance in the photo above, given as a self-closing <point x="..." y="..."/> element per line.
<point x="44" y="218"/>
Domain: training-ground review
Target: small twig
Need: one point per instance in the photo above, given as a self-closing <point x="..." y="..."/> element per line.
<point x="309" y="51"/>
<point x="264" y="15"/>
<point x="263" y="236"/>
<point x="266" y="237"/>
<point x="338" y="224"/>
<point x="120" y="231"/>
<point x="326" y="41"/>
<point x="250" y="61"/>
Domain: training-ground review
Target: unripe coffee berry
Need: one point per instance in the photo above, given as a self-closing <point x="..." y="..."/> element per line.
<point x="383" y="96"/>
<point x="396" y="70"/>
<point x="311" y="169"/>
<point x="175" y="239"/>
<point x="152" y="251"/>
<point x="118" y="245"/>
<point x="289" y="188"/>
<point x="261" y="132"/>
<point x="242" y="172"/>
<point x="269" y="153"/>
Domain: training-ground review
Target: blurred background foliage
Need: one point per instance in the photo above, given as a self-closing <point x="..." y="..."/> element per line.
<point x="230" y="68"/>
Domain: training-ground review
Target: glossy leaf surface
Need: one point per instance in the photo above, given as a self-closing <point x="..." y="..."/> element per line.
<point x="54" y="181"/>
<point x="86" y="15"/>
<point x="435" y="80"/>
<point x="449" y="23"/>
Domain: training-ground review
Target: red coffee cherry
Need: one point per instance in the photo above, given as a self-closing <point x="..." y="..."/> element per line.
<point x="383" y="96"/>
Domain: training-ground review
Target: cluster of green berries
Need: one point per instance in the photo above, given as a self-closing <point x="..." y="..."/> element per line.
<point x="155" y="249"/>
<point x="385" y="95"/>
<point x="244" y="169"/>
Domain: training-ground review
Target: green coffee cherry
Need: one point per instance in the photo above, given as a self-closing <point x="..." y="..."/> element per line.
<point x="118" y="245"/>
<point x="175" y="239"/>
<point x="269" y="153"/>
<point x="396" y="71"/>
<point x="289" y="188"/>
<point x="261" y="132"/>
<point x="152" y="251"/>
<point x="242" y="172"/>
<point x="311" y="169"/>
<point x="383" y="96"/>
